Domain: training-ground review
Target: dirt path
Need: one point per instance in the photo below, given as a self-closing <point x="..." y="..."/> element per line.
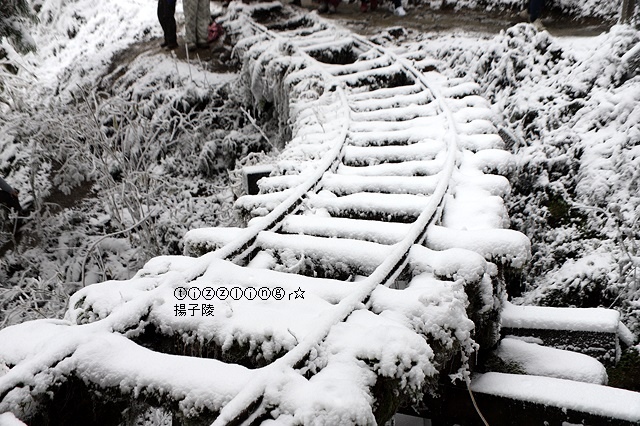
<point x="419" y="18"/>
<point x="424" y="19"/>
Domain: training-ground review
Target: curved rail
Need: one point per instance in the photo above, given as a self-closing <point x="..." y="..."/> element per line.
<point x="250" y="397"/>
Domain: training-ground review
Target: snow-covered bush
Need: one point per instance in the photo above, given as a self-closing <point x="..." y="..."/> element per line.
<point x="572" y="114"/>
<point x="16" y="17"/>
<point x="106" y="169"/>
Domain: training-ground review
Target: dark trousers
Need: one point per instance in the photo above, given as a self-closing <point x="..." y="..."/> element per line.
<point x="166" y="12"/>
<point x="535" y="9"/>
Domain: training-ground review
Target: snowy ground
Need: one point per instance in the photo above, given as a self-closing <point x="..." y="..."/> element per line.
<point x="148" y="129"/>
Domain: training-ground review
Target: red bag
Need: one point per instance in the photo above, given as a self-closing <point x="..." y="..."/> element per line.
<point x="215" y="31"/>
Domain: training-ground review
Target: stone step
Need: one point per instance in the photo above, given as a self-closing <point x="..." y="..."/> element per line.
<point x="596" y="332"/>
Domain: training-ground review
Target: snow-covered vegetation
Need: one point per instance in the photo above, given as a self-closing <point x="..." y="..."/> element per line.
<point x="117" y="149"/>
<point x="571" y="117"/>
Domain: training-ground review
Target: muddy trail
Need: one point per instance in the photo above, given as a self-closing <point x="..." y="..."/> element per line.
<point x="419" y="19"/>
<point x="422" y="18"/>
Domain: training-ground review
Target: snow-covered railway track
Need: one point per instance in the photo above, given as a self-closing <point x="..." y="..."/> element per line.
<point x="367" y="276"/>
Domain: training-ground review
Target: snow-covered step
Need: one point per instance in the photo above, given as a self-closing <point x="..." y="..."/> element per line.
<point x="504" y="246"/>
<point x="389" y="76"/>
<point x="383" y="207"/>
<point x="418" y="122"/>
<point x="501" y="246"/>
<point x="334" y="257"/>
<point x="407" y="101"/>
<point x="362" y="65"/>
<point x="375" y="179"/>
<point x="291" y="166"/>
<point x="467" y="114"/>
<point x="497" y="245"/>
<point x="475" y="101"/>
<point x="387" y="96"/>
<point x="351" y="184"/>
<point x="360" y="255"/>
<point x="478" y="126"/>
<point x="375" y="103"/>
<point x="556" y="401"/>
<point x="409" y="136"/>
<point x="371" y="155"/>
<point x="339" y="227"/>
<point x="279" y="183"/>
<point x="321" y="41"/>
<point x="398" y="113"/>
<point x="262" y="204"/>
<point x="531" y="358"/>
<point x="55" y="350"/>
<point x="597" y="332"/>
<point x="460" y="90"/>
<point x="348" y="253"/>
<point x="407" y="168"/>
<point x="479" y="142"/>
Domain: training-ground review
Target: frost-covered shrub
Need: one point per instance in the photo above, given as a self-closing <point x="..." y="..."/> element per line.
<point x="572" y="123"/>
<point x="220" y="154"/>
<point x="111" y="164"/>
<point x="16" y="17"/>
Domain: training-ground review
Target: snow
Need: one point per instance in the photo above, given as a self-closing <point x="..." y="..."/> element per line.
<point x="8" y="419"/>
<point x="506" y="245"/>
<point x="539" y="360"/>
<point x="598" y="320"/>
<point x="584" y="397"/>
<point x="81" y="32"/>
<point x="110" y="360"/>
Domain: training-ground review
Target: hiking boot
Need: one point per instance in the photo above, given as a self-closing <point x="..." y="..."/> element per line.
<point x="399" y="11"/>
<point x="201" y="45"/>
<point x="171" y="46"/>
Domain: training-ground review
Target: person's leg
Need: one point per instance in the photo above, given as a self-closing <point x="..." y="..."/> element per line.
<point x="203" y="18"/>
<point x="190" y="22"/>
<point x="535" y="9"/>
<point x="324" y="6"/>
<point x="398" y="9"/>
<point x="166" y="16"/>
<point x="162" y="19"/>
<point x="171" y="32"/>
